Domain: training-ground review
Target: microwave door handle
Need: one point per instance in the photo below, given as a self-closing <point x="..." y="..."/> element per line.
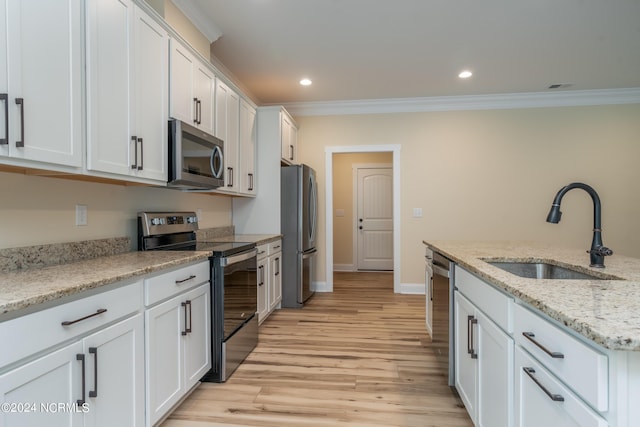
<point x="217" y="153"/>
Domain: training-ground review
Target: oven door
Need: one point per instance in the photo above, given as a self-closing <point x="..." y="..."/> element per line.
<point x="240" y="296"/>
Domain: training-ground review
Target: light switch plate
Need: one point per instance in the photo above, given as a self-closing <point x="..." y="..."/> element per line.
<point x="417" y="212"/>
<point x="339" y="212"/>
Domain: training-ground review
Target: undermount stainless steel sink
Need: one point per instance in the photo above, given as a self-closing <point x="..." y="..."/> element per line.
<point x="544" y="270"/>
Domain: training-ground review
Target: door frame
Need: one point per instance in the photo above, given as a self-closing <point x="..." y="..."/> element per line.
<point x="354" y="168"/>
<point x="329" y="152"/>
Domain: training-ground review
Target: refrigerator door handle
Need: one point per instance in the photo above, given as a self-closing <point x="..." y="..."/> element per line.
<point x="309" y="254"/>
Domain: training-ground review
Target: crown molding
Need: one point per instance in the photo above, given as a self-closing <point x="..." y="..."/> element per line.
<point x="199" y="19"/>
<point x="473" y="102"/>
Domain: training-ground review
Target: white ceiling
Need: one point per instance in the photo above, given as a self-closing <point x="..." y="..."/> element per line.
<point x="380" y="49"/>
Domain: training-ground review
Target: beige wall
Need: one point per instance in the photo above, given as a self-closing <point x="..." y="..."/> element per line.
<point x="343" y="227"/>
<point x="493" y="174"/>
<point x="39" y="210"/>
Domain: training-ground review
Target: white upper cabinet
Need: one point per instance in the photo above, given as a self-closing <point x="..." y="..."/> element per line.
<point x="247" y="149"/>
<point x="227" y="111"/>
<point x="127" y="91"/>
<point x="192" y="87"/>
<point x="288" y="139"/>
<point x="41" y="82"/>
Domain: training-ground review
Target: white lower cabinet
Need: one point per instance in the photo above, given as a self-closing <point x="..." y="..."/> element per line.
<point x="52" y="379"/>
<point x="178" y="346"/>
<point x="115" y="375"/>
<point x="542" y="400"/>
<point x="95" y="380"/>
<point x="484" y="366"/>
<point x="275" y="280"/>
<point x="262" y="278"/>
<point x="269" y="278"/>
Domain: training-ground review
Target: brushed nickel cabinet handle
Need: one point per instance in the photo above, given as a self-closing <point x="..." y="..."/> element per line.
<point x="134" y="139"/>
<point x="71" y="322"/>
<point x="530" y="336"/>
<point x="141" y="154"/>
<point x="184" y="305"/>
<point x="195" y="111"/>
<point x="20" y="142"/>
<point x="470" y="322"/>
<point x="188" y="302"/>
<point x="193" y="276"/>
<point x="5" y="97"/>
<point x="94" y="392"/>
<point x="81" y="401"/>
<point x="552" y="396"/>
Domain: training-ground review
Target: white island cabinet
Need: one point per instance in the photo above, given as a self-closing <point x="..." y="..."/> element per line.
<point x="41" y="82"/>
<point x="78" y="367"/>
<point x="483" y="351"/>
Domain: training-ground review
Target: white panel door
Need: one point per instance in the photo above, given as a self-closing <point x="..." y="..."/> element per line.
<point x="44" y="44"/>
<point x="115" y="375"/>
<point x="164" y="325"/>
<point x="108" y="90"/>
<point x="375" y="219"/>
<point x="51" y="380"/>
<point x="204" y="82"/>
<point x="495" y="375"/>
<point x="151" y="83"/>
<point x="197" y="341"/>
<point x="182" y="65"/>
<point x="466" y="355"/>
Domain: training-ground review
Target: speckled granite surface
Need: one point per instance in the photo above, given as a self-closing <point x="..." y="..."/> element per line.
<point x="39" y="256"/>
<point x="258" y="239"/>
<point x="209" y="234"/>
<point x="604" y="311"/>
<point x="23" y="289"/>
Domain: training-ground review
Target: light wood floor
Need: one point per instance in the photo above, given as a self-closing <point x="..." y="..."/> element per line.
<point x="359" y="356"/>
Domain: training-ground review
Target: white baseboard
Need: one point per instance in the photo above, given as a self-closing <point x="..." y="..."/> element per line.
<point x="320" y="287"/>
<point x="344" y="267"/>
<point x="412" y="288"/>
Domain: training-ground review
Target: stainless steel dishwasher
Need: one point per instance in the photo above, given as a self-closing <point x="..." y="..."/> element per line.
<point x="440" y="289"/>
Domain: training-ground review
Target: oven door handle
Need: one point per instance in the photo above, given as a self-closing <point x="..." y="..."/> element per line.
<point x="238" y="258"/>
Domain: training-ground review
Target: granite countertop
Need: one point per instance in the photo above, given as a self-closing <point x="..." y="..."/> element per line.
<point x="28" y="277"/>
<point x="604" y="311"/>
<point x="258" y="239"/>
<point x="23" y="289"/>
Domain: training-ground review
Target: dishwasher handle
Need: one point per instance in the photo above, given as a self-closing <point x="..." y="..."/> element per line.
<point x="440" y="271"/>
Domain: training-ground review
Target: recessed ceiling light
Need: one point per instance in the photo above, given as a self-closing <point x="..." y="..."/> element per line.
<point x="465" y="74"/>
<point x="305" y="82"/>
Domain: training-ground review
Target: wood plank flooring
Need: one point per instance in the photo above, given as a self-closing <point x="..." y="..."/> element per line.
<point x="357" y="357"/>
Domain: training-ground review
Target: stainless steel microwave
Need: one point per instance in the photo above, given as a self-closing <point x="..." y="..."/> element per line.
<point x="196" y="158"/>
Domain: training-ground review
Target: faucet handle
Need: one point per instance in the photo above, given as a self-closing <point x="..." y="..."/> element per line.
<point x="601" y="251"/>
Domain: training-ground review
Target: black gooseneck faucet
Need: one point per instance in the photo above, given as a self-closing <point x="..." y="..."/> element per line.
<point x="598" y="251"/>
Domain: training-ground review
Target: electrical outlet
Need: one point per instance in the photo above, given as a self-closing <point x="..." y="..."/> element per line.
<point x="417" y="212"/>
<point x="199" y="214"/>
<point x="81" y="215"/>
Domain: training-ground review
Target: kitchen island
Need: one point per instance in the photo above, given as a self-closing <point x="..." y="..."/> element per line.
<point x="558" y="351"/>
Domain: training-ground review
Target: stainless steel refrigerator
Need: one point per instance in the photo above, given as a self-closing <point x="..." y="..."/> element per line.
<point x="299" y="213"/>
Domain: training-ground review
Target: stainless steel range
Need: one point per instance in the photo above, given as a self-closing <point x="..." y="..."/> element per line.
<point x="234" y="322"/>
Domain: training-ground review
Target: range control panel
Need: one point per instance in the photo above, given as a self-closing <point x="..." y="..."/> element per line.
<point x="154" y="223"/>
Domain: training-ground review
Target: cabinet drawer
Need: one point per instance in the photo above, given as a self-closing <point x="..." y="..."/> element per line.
<point x="168" y="284"/>
<point x="29" y="334"/>
<point x="274" y="247"/>
<point x="263" y="250"/>
<point x="491" y="301"/>
<point x="534" y="407"/>
<point x="581" y="367"/>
